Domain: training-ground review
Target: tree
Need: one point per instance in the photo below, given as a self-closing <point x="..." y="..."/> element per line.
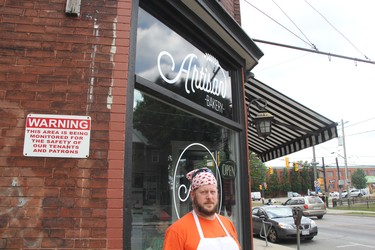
<point x="359" y="179"/>
<point x="161" y="123"/>
<point x="307" y="177"/>
<point x="285" y="182"/>
<point x="295" y="181"/>
<point x="281" y="183"/>
<point x="273" y="184"/>
<point x="258" y="171"/>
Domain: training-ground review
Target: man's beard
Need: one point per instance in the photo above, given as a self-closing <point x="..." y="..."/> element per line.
<point x="202" y="210"/>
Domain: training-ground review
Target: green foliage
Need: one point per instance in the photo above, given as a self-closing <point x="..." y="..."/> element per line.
<point x="258" y="171"/>
<point x="289" y="180"/>
<point x="359" y="179"/>
<point x="281" y="183"/>
<point x="307" y="177"/>
<point x="295" y="181"/>
<point x="274" y="185"/>
<point x="359" y="208"/>
<point x="285" y="183"/>
<point x="161" y="123"/>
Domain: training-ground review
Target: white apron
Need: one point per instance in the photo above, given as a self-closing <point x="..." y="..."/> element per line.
<point x="219" y="243"/>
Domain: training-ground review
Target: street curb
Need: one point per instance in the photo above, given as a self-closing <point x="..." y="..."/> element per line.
<point x="261" y="244"/>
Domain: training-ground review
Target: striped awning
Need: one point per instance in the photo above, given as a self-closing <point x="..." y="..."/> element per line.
<point x="294" y="127"/>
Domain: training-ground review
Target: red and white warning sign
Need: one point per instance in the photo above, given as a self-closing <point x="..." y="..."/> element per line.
<point x="57" y="136"/>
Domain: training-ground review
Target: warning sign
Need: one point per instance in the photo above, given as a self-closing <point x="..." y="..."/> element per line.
<point x="57" y="136"/>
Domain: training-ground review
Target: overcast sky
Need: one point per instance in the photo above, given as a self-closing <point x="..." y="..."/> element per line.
<point x="338" y="89"/>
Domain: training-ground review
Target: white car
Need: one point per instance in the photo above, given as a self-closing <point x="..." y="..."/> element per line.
<point x="353" y="193"/>
<point x="357" y="193"/>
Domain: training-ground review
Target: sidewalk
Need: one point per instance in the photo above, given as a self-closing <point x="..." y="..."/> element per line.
<point x="260" y="244"/>
<point x="337" y="211"/>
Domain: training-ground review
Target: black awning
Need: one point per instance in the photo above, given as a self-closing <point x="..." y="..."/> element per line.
<point x="295" y="127"/>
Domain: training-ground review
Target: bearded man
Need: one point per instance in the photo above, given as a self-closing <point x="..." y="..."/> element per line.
<point x="202" y="228"/>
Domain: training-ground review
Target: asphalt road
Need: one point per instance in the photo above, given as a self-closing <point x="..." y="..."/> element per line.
<point x="345" y="232"/>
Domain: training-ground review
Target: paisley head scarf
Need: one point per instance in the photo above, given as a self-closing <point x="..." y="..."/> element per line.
<point x="200" y="177"/>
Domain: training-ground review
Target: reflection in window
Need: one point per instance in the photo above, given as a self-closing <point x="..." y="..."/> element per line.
<point x="155" y="156"/>
<point x="169" y="60"/>
<point x="161" y="133"/>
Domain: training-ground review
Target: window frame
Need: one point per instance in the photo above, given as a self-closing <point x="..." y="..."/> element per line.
<point x="183" y="19"/>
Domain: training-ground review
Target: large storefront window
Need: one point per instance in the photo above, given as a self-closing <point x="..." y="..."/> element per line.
<point x="168" y="143"/>
<point x="169" y="140"/>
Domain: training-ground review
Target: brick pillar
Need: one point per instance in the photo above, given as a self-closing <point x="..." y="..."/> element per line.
<point x="116" y="154"/>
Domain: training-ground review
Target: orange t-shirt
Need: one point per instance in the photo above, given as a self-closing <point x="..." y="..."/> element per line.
<point x="183" y="234"/>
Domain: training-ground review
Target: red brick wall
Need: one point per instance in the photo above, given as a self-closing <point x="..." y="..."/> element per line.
<point x="54" y="64"/>
<point x="233" y="8"/>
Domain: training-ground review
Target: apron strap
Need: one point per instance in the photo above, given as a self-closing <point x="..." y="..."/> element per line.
<point x="222" y="225"/>
<point x="198" y="225"/>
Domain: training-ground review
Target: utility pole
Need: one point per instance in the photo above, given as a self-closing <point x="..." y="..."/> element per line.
<point x="314" y="163"/>
<point x="324" y="177"/>
<point x="326" y="194"/>
<point x="345" y="162"/>
<point x="339" y="181"/>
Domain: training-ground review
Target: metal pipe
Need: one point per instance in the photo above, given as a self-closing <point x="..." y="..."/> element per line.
<point x="315" y="51"/>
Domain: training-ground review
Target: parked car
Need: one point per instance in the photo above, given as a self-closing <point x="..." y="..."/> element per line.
<point x="357" y="193"/>
<point x="310" y="205"/>
<point x="279" y="223"/>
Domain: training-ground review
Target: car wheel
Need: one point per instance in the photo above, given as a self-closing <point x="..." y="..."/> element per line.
<point x="360" y="195"/>
<point x="272" y="235"/>
<point x="320" y="216"/>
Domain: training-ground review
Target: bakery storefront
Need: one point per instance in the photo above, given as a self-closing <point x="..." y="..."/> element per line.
<point x="188" y="112"/>
<point x="192" y="103"/>
<point x="150" y="90"/>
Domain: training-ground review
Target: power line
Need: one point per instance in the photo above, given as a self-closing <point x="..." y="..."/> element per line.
<point x="347" y="39"/>
<point x="283" y="62"/>
<point x="360" y="133"/>
<point x="276" y="21"/>
<point x="311" y="44"/>
<point x="360" y="122"/>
